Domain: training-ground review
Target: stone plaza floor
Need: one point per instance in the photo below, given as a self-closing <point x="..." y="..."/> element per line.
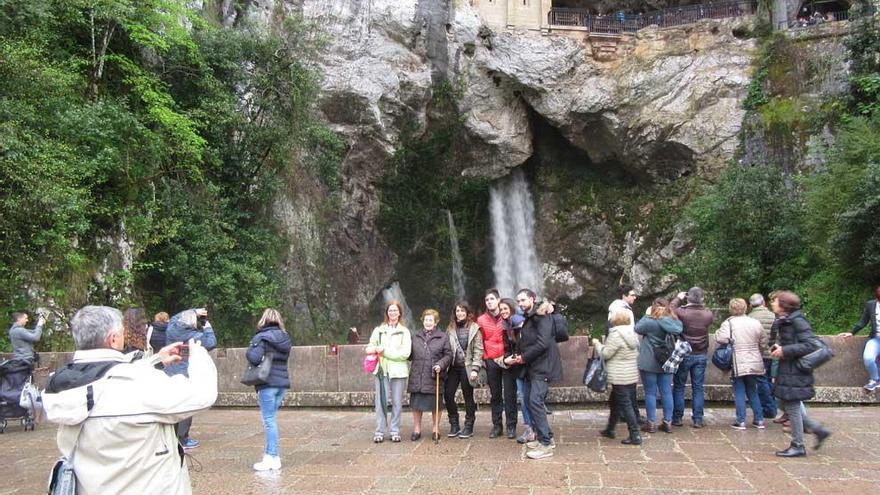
<point x="330" y="451"/>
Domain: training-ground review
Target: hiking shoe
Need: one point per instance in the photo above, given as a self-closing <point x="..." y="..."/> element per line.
<point x="872" y="385"/>
<point x="738" y="425"/>
<point x="540" y="452"/>
<point x="677" y="422"/>
<point x="535" y="444"/>
<point x="528" y="435"/>
<point x="496" y="431"/>
<point x="467" y="432"/>
<point x="608" y="433"/>
<point x="268" y="463"/>
<point x="454" y="430"/>
<point x="666" y="427"/>
<point x="781" y="419"/>
<point x="190" y="443"/>
<point x="698" y="423"/>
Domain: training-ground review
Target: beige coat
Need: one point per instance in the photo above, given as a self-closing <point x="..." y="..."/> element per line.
<point x="473" y="355"/>
<point x="621" y="353"/>
<point x="766" y="317"/>
<point x="127" y="443"/>
<point x="749" y="341"/>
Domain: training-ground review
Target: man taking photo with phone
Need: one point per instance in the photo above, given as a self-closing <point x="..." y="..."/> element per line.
<point x="191" y="324"/>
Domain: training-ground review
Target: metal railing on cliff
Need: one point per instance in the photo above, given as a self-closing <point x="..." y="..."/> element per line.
<point x="622" y="23"/>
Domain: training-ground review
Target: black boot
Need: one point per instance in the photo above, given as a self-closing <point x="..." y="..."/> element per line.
<point x="608" y="432"/>
<point x="453" y="428"/>
<point x="821" y="434"/>
<point x="468" y="430"/>
<point x="511" y="431"/>
<point x="496" y="432"/>
<point x="633" y="439"/>
<point x="792" y="451"/>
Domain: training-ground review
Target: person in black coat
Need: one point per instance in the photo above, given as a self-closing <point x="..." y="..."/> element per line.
<point x="543" y="366"/>
<point x="794" y="385"/>
<point x="870" y="317"/>
<point x="431" y="356"/>
<point x="159" y="330"/>
<point x="272" y="340"/>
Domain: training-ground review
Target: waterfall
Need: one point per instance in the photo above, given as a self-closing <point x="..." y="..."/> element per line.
<point x="457" y="266"/>
<point x="513" y="236"/>
<point x="394" y="293"/>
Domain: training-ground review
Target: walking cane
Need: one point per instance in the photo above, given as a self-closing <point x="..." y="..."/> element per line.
<point x="436" y="434"/>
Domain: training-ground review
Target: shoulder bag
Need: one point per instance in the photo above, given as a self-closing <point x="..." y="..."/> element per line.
<point x="817" y="358"/>
<point x="722" y="358"/>
<point x="595" y="374"/>
<point x="259" y="374"/>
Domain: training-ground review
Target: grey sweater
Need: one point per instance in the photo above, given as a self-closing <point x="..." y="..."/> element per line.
<point x="23" y="341"/>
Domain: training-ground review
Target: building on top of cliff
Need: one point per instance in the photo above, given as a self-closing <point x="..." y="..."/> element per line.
<point x="586" y="17"/>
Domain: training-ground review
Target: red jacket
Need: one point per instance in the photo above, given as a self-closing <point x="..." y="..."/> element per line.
<point x="493" y="335"/>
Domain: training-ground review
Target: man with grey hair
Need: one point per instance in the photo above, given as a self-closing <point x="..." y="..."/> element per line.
<point x="765" y="382"/>
<point x="696" y="320"/>
<point x="117" y="413"/>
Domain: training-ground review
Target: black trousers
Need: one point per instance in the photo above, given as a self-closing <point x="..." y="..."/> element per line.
<point x="620" y="404"/>
<point x="502" y="389"/>
<point x="458" y="376"/>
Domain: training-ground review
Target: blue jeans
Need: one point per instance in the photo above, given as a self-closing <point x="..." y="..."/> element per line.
<point x="536" y="393"/>
<point x="651" y="382"/>
<point x="765" y="390"/>
<point x="695" y="366"/>
<point x="747" y="385"/>
<point x="270" y="400"/>
<point x="872" y="351"/>
<point x="523" y="401"/>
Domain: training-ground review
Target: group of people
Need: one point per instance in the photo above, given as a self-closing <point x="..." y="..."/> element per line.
<point x="129" y="394"/>
<point x="766" y="344"/>
<point x="510" y="347"/>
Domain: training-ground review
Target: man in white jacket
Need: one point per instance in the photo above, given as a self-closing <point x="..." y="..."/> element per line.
<point x="118" y="412"/>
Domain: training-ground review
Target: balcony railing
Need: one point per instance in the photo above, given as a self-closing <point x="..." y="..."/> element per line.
<point x="621" y="23"/>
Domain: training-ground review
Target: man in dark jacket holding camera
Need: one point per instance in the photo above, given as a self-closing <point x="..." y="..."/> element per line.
<point x="543" y="366"/>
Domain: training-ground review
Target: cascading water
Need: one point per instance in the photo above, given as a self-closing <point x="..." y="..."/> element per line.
<point x="457" y="265"/>
<point x="513" y="236"/>
<point x="394" y="293"/>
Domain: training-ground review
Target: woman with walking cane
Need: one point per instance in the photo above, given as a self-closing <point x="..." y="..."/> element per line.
<point x="431" y="355"/>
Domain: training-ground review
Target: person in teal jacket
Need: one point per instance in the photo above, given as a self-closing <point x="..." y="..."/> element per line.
<point x="653" y="328"/>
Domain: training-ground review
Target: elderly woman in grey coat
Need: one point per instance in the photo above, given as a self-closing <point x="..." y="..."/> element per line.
<point x="749" y="342"/>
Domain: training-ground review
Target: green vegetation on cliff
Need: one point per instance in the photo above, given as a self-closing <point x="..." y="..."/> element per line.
<point x="145" y="124"/>
<point x="783" y="224"/>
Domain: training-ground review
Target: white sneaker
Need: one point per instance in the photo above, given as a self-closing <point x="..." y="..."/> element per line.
<point x="269" y="462"/>
<point x="872" y="385"/>
<point x="534" y="444"/>
<point x="541" y="452"/>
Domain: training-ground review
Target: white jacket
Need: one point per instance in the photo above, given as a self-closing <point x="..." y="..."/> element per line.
<point x="128" y="442"/>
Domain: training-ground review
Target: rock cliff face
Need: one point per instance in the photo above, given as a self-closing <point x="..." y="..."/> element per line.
<point x="610" y="140"/>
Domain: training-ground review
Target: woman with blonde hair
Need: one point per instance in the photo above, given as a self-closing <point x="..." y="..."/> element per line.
<point x="749" y="342"/>
<point x="392" y="343"/>
<point x="272" y="342"/>
<point x="431" y="356"/>
<point x="621" y="354"/>
<point x="654" y="328"/>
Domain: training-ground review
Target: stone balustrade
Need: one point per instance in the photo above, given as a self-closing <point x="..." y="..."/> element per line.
<point x="324" y="380"/>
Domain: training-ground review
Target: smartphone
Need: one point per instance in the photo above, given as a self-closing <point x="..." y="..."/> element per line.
<point x="184" y="352"/>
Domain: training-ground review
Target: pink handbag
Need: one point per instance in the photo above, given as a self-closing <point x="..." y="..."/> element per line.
<point x="370" y="363"/>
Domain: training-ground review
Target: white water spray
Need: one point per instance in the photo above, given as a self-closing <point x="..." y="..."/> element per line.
<point x="457" y="265"/>
<point x="513" y="236"/>
<point x="394" y="293"/>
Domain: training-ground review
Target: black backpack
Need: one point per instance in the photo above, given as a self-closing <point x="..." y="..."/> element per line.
<point x="663" y="352"/>
<point x="560" y="327"/>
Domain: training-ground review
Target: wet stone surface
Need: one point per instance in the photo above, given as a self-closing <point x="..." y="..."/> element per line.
<point x="330" y="451"/>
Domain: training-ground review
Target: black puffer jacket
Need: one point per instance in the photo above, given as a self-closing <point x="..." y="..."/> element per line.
<point x="158" y="338"/>
<point x="428" y="349"/>
<point x="539" y="349"/>
<point x="277" y="341"/>
<point x="795" y="337"/>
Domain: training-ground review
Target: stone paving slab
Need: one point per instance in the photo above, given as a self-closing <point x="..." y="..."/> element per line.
<point x="330" y="452"/>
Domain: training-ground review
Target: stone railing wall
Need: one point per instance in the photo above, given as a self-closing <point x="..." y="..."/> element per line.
<point x="324" y="380"/>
